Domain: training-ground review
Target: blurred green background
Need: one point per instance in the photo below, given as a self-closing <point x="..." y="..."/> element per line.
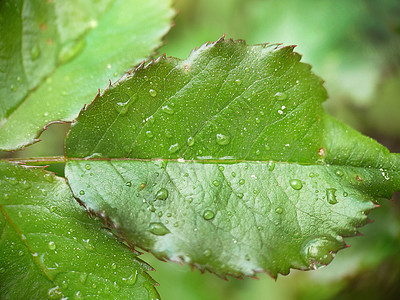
<point x="355" y="46"/>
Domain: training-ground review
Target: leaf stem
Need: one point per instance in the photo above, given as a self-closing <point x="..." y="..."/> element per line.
<point x="37" y="160"/>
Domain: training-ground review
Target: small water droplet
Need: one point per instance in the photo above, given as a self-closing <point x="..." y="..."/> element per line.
<point x="339" y="173"/>
<point x="55" y="293"/>
<point x="190" y="200"/>
<point x="82" y="192"/>
<point x="279" y="210"/>
<point x="168" y="110"/>
<point x="128" y="184"/>
<point x="162" y="194"/>
<point x="190" y="141"/>
<point x="13" y="87"/>
<point x="208" y="214"/>
<point x="240" y="195"/>
<point x="173" y="148"/>
<point x="222" y="139"/>
<point x="83" y="277"/>
<point x="331" y="196"/>
<point x="296" y="184"/>
<point x="11" y="180"/>
<point x="88" y="167"/>
<point x="146" y="78"/>
<point x="238" y="81"/>
<point x="345" y="194"/>
<point x="215" y="183"/>
<point x="221" y="168"/>
<point x="258" y="121"/>
<point x="152" y="92"/>
<point x="158" y="229"/>
<point x="242" y="181"/>
<point x="35" y="52"/>
<point x="113" y="266"/>
<point x="52" y="245"/>
<point x="281" y="96"/>
<point x="267" y="147"/>
<point x="260" y="227"/>
<point x="271" y="165"/>
<point x="44" y="192"/>
<point x="207" y="253"/>
<point x="233" y="174"/>
<point x="311" y="174"/>
<point x="149" y="134"/>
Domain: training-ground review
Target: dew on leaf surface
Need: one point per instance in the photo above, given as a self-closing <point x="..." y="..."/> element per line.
<point x="162" y="194"/>
<point x="158" y="228"/>
<point x="296" y="184"/>
<point x="222" y="139"/>
<point x="208" y="214"/>
<point x="331" y="196"/>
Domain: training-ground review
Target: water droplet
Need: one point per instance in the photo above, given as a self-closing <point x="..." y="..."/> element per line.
<point x="82" y="192"/>
<point x="162" y="194"/>
<point x="158" y="229"/>
<point x="311" y="174"/>
<point x="131" y="280"/>
<point x="221" y="168"/>
<point x="44" y="192"/>
<point x="35" y="52"/>
<point x="113" y="266"/>
<point x="223" y="139"/>
<point x="87" y="244"/>
<point x="168" y="110"/>
<point x="331" y="196"/>
<point x="149" y="134"/>
<point x="13" y="87"/>
<point x="146" y="78"/>
<point x="279" y="210"/>
<point x="339" y="173"/>
<point x="128" y="184"/>
<point x="11" y="180"/>
<point x="281" y="96"/>
<point x="296" y="184"/>
<point x="215" y="183"/>
<point x="242" y="181"/>
<point x="190" y="200"/>
<point x="88" y="167"/>
<point x="71" y="50"/>
<point x="233" y="174"/>
<point x="52" y="245"/>
<point x="240" y="195"/>
<point x="258" y="121"/>
<point x="271" y="165"/>
<point x="267" y="147"/>
<point x="83" y="277"/>
<point x="122" y="107"/>
<point x="318" y="252"/>
<point x="260" y="227"/>
<point x="208" y="214"/>
<point x="345" y="194"/>
<point x="55" y="293"/>
<point x="190" y="141"/>
<point x="207" y="253"/>
<point x="238" y="81"/>
<point x="152" y="92"/>
<point x="173" y="148"/>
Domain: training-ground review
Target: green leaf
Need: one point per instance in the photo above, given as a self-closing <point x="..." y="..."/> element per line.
<point x="51" y="249"/>
<point x="227" y="161"/>
<point x="54" y="55"/>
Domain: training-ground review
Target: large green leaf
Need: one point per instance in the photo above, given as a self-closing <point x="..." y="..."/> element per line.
<point x="227" y="161"/>
<point x="52" y="63"/>
<point x="51" y="249"/>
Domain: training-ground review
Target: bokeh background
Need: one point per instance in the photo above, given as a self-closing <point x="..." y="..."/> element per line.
<point x="354" y="45"/>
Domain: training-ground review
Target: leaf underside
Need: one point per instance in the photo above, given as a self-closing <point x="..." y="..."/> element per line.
<point x="56" y="54"/>
<point x="51" y="249"/>
<point x="227" y="161"/>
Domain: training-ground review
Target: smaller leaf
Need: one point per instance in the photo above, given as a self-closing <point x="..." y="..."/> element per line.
<point x="51" y="249"/>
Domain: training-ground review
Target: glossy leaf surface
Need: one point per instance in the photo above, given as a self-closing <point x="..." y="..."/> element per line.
<point x="51" y="249"/>
<point x="227" y="161"/>
<point x="56" y="54"/>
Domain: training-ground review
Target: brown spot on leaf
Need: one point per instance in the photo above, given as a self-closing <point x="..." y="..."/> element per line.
<point x="321" y="151"/>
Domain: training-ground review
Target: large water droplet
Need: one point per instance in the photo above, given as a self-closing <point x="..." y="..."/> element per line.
<point x="223" y="139"/>
<point x="35" y="52"/>
<point x="208" y="214"/>
<point x="281" y="96"/>
<point x="242" y="181"/>
<point x="168" y="110"/>
<point x="173" y="148"/>
<point x="162" y="194"/>
<point x="190" y="141"/>
<point x="331" y="196"/>
<point x="149" y="134"/>
<point x="122" y="107"/>
<point x="131" y="280"/>
<point x="319" y="251"/>
<point x="296" y="184"/>
<point x="158" y="229"/>
<point x="52" y="245"/>
<point x="152" y="92"/>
